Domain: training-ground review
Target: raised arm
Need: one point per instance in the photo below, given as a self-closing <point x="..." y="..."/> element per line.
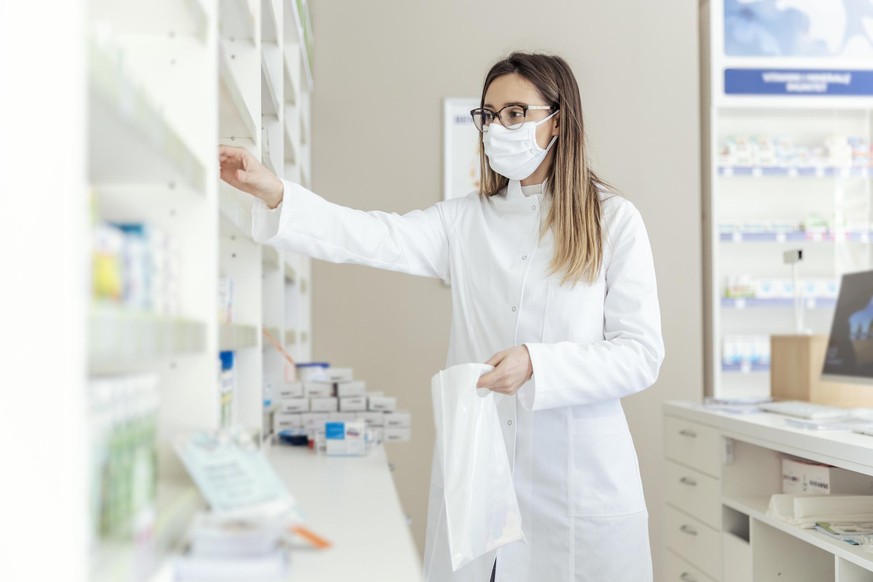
<point x="291" y="217"/>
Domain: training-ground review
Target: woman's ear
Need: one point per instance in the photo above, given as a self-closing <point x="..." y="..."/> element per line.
<point x="557" y="126"/>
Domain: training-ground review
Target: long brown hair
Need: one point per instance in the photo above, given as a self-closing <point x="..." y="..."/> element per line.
<point x="575" y="215"/>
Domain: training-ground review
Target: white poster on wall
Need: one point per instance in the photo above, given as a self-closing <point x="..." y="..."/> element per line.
<point x="460" y="148"/>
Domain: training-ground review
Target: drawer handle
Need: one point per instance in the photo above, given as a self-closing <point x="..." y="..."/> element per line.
<point x="687" y="529"/>
<point x="686" y="577"/>
<point x="687" y="432"/>
<point x="688" y="481"/>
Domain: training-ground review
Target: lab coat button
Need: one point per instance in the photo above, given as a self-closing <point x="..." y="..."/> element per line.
<point x="524" y="258"/>
<point x="509" y="422"/>
<point x="534" y="207"/>
<point x="513" y="309"/>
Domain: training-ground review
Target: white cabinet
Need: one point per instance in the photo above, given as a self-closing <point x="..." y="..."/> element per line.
<point x="693" y="518"/>
<point x="718" y="529"/>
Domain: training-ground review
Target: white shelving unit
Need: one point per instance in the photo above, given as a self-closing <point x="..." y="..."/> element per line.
<point x="721" y="471"/>
<point x="165" y="82"/>
<point x="776" y="179"/>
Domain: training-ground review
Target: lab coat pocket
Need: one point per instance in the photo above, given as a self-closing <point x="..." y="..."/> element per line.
<point x="606" y="475"/>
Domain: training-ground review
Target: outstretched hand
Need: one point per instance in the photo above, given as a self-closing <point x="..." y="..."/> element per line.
<point x="512" y="368"/>
<point x="243" y="171"/>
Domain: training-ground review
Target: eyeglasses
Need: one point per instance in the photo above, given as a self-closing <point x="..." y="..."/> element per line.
<point x="511" y="116"/>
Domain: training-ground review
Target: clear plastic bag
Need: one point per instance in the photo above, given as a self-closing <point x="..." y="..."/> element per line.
<point x="481" y="507"/>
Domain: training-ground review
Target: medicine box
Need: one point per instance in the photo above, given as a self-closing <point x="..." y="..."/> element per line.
<point x="317" y="388"/>
<point x="323" y="404"/>
<point x="372" y="418"/>
<point x="313" y="419"/>
<point x="353" y="404"/>
<point x="383" y="403"/>
<point x="339" y="374"/>
<point x="341" y="416"/>
<point x="398" y="434"/>
<point x="399" y="419"/>
<point x="345" y="438"/>
<point x="283" y="420"/>
<point x="294" y="405"/>
<point x="354" y="388"/>
<point x="291" y="390"/>
<point x="805" y="477"/>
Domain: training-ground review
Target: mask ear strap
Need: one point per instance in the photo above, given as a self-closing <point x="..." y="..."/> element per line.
<point x="551" y="143"/>
<point x="545" y="119"/>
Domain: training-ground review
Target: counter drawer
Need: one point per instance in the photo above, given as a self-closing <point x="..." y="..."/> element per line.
<point x="694" y="493"/>
<point x="694" y="541"/>
<point x="692" y="444"/>
<point x="678" y="570"/>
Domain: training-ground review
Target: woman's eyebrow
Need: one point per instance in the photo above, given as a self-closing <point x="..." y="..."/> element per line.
<point x="522" y="103"/>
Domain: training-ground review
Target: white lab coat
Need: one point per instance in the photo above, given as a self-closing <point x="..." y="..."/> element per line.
<point x="574" y="466"/>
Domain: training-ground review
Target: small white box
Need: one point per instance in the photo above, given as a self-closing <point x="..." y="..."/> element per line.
<point x="373" y="419"/>
<point x="398" y="419"/>
<point x="324" y="404"/>
<point x="353" y="404"/>
<point x="291" y="390"/>
<point x="341" y="416"/>
<point x="317" y="388"/>
<point x="354" y="388"/>
<point x="283" y="420"/>
<point x="339" y="374"/>
<point x="383" y="403"/>
<point x="398" y="434"/>
<point x="805" y="477"/>
<point x="294" y="405"/>
<point x="313" y="419"/>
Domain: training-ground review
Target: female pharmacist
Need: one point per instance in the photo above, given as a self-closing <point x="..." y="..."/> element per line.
<point x="553" y="284"/>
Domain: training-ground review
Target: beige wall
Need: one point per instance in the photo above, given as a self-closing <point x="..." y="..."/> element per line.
<point x="382" y="69"/>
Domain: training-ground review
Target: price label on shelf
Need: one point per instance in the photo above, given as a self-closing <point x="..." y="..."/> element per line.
<point x="780" y="237"/>
<point x="737" y="237"/>
<point x="740" y="303"/>
<point x="810" y="303"/>
<point x="792" y="172"/>
<point x="727" y="171"/>
<point x="845" y="172"/>
<point x="817" y="237"/>
<point x="757" y="172"/>
<point x="819" y="172"/>
<point x="864" y="237"/>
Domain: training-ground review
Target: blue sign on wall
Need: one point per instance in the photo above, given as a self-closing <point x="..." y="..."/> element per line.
<point x="800" y="82"/>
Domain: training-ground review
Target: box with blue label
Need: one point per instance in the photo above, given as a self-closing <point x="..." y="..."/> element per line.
<point x="346" y="438"/>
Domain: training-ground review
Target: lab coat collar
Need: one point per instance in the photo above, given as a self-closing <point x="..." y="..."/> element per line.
<point x="513" y="191"/>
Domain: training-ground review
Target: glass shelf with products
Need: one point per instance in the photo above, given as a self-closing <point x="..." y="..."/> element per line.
<point x="790" y="178"/>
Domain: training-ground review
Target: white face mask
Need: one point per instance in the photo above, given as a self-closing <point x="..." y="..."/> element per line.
<point x="515" y="153"/>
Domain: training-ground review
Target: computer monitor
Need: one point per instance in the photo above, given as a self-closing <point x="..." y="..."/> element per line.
<point x="849" y="357"/>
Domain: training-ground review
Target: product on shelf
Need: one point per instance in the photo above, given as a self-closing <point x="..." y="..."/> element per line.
<point x="747" y="287"/>
<point x="745" y="352"/>
<point x="107" y="278"/>
<point x="124" y="420"/>
<point x="225" y="300"/>
<point x="136" y="266"/>
<point x="836" y="151"/>
<point x="226" y="388"/>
